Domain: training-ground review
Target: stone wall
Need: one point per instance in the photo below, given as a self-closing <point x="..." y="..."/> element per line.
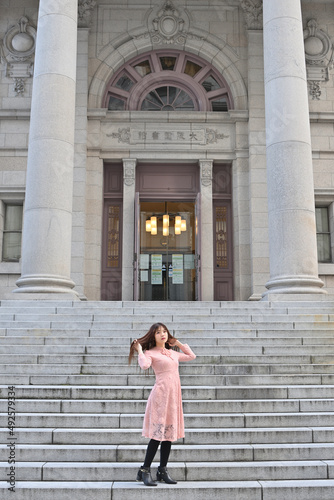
<point x="118" y="32"/>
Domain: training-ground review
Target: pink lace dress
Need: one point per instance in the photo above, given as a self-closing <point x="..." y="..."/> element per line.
<point x="163" y="419"/>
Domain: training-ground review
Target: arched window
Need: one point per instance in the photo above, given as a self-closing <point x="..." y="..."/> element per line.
<point x="168" y="80"/>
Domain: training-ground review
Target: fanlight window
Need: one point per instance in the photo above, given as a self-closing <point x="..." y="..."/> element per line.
<point x="168" y="81"/>
<point x="168" y="99"/>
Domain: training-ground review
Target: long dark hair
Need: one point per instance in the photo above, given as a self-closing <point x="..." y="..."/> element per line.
<point x="148" y="340"/>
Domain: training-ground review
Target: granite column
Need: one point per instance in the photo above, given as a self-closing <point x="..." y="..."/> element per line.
<point x="46" y="247"/>
<point x="291" y="209"/>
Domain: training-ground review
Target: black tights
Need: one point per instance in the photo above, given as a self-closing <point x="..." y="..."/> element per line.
<point x="152" y="448"/>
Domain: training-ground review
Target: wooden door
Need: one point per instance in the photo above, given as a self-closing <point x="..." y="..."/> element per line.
<point x="111" y="288"/>
<point x="223" y="250"/>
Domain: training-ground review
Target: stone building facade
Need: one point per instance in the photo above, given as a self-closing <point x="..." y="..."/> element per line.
<point x="116" y="116"/>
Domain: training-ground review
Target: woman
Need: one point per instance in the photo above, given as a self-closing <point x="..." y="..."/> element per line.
<point x="163" y="421"/>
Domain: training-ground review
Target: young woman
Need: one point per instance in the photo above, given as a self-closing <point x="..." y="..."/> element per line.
<point x="163" y="421"/>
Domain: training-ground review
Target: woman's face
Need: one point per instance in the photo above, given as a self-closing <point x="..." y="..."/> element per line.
<point x="161" y="336"/>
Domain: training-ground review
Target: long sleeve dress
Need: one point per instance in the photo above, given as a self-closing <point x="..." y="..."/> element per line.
<point x="163" y="419"/>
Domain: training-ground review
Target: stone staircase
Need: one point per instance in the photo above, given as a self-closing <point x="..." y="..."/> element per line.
<point x="258" y="400"/>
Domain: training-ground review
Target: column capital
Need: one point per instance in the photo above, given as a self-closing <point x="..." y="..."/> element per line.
<point x="85" y="10"/>
<point x="206" y="167"/>
<point x="129" y="171"/>
<point x="253" y="12"/>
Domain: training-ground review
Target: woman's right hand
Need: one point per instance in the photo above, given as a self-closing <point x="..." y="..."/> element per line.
<point x="137" y="346"/>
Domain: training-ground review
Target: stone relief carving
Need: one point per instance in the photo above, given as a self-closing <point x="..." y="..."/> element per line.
<point x="253" y="11"/>
<point x="206" y="172"/>
<point x="169" y="26"/>
<point x="85" y="10"/>
<point x="201" y="137"/>
<point x="315" y="90"/>
<point x="17" y="51"/>
<point x="319" y="55"/>
<point x="213" y="136"/>
<point x="123" y="135"/>
<point x="129" y="172"/>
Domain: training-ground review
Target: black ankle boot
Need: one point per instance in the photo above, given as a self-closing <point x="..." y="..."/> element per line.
<point x="144" y="474"/>
<point x="162" y="475"/>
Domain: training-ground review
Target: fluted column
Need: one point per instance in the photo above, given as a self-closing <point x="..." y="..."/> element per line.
<point x="292" y="230"/>
<point x="46" y="251"/>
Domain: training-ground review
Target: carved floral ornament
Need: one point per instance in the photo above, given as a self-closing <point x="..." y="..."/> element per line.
<point x="17" y="51"/>
<point x="85" y="10"/>
<point x="253" y="11"/>
<point x="319" y="55"/>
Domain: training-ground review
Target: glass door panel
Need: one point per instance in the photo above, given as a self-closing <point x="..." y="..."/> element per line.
<point x="167" y="251"/>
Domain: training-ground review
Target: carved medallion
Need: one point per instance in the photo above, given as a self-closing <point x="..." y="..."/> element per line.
<point x="168" y="26"/>
<point x="319" y="54"/>
<point x="18" y="49"/>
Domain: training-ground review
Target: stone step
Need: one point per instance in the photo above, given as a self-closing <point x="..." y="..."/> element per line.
<point x="140" y="379"/>
<point x="102" y="336"/>
<point x="128" y="491"/>
<point x="196" y="370"/>
<point x="96" y="345"/>
<point x="212" y="360"/>
<point x="230" y="435"/>
<point x="135" y="325"/>
<point x="192" y="421"/>
<point x="180" y="453"/>
<point x="32" y="345"/>
<point x="166" y="318"/>
<point x="190" y="471"/>
<point x="189" y="490"/>
<point x="265" y="369"/>
<point x="196" y="406"/>
<point x="192" y="393"/>
<point x="216" y="361"/>
<point x="175" y="309"/>
<point x="222" y="357"/>
<point x="258" y="400"/>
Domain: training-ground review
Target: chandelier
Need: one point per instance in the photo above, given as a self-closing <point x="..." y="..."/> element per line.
<point x="180" y="225"/>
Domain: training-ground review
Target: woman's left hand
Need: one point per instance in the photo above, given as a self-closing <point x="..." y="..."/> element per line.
<point x="174" y="342"/>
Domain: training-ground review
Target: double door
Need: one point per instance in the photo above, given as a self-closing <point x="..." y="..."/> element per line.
<point x="166" y="264"/>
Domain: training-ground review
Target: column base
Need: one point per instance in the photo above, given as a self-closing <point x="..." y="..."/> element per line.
<point x="45" y="285"/>
<point x="255" y="297"/>
<point x="295" y="288"/>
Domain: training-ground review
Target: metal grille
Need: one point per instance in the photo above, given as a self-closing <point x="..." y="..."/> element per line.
<point x="221" y="238"/>
<point x="113" y="236"/>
